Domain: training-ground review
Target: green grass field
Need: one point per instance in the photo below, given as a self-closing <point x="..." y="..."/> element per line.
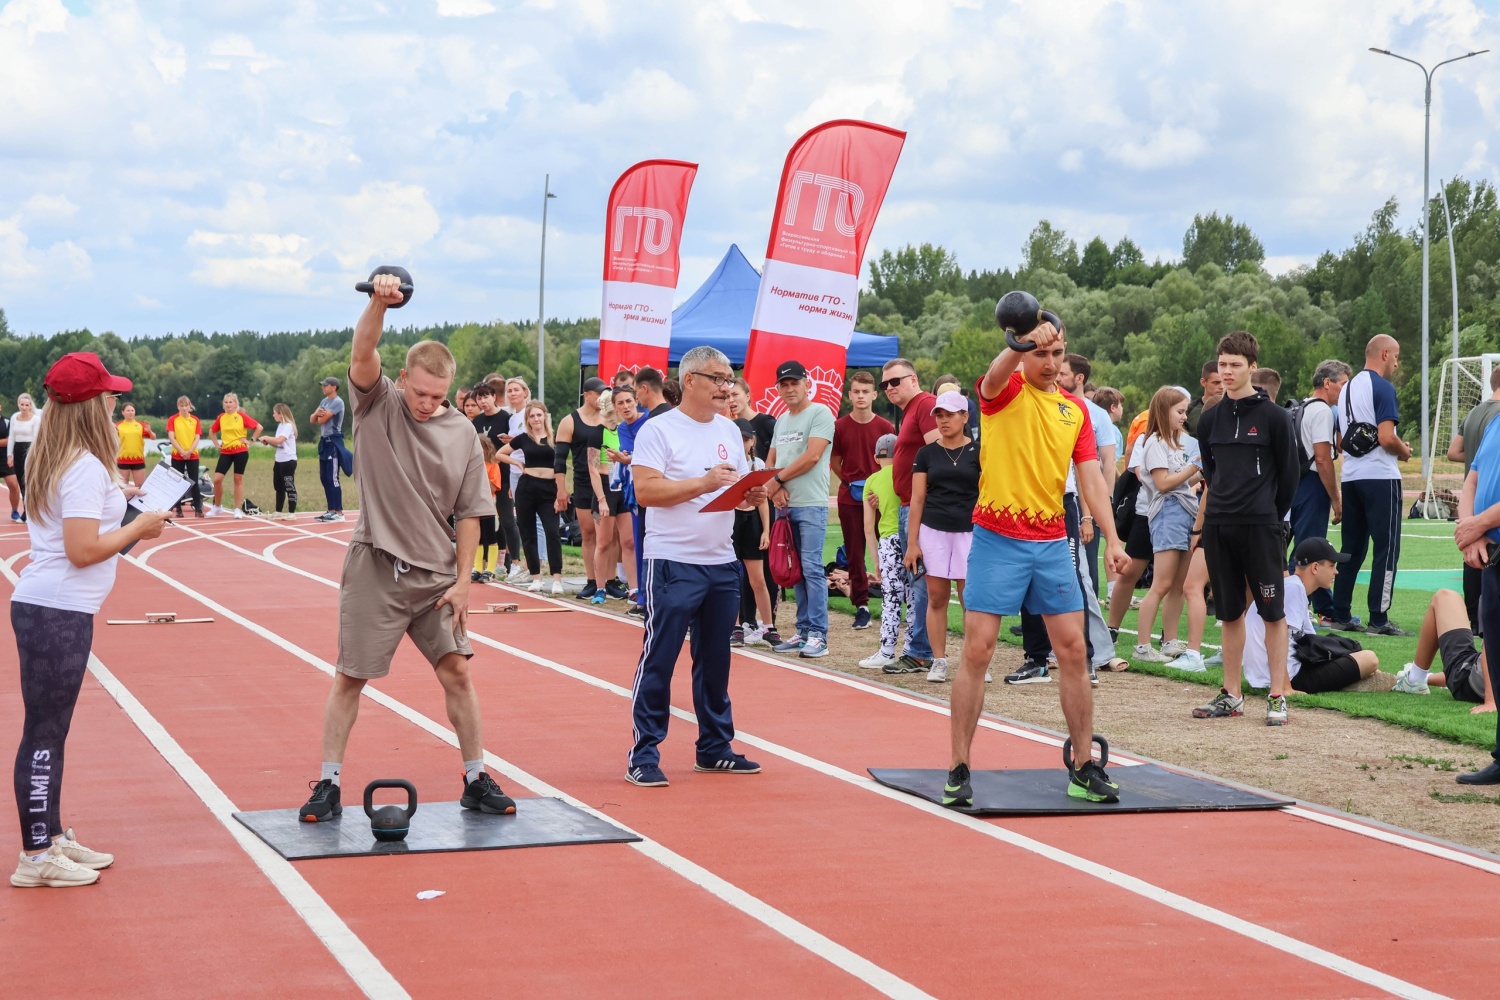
<point x="1429" y="562"/>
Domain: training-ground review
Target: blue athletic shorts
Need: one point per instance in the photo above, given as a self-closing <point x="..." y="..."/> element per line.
<point x="1005" y="574"/>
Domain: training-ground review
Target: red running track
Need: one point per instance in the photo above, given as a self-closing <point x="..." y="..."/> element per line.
<point x="805" y="881"/>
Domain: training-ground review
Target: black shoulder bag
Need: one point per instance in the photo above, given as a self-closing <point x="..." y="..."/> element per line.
<point x="1315" y="650"/>
<point x="1360" y="438"/>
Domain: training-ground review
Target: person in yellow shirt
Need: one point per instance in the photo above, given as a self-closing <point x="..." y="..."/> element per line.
<point x="184" y="430"/>
<point x="231" y="434"/>
<point x="132" y="457"/>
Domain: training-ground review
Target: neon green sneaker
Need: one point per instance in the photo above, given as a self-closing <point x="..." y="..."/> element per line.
<point x="1090" y="781"/>
<point x="957" y="793"/>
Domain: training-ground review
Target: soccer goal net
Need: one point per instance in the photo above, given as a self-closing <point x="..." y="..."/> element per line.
<point x="1463" y="384"/>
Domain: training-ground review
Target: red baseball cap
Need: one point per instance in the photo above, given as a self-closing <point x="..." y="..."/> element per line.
<point x="80" y="376"/>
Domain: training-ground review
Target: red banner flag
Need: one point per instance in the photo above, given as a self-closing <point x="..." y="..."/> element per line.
<point x="642" y="233"/>
<point x="834" y="180"/>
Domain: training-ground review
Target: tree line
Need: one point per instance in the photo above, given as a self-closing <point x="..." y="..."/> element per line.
<point x="1143" y="324"/>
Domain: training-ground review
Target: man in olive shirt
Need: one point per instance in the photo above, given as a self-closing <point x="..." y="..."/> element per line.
<point x="800" y="449"/>
<point x="419" y="464"/>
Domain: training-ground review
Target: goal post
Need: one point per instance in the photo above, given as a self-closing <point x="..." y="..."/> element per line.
<point x="1463" y="383"/>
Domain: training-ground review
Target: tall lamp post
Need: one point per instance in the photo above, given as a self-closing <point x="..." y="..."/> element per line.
<point x="1426" y="163"/>
<point x="541" y="301"/>
<point x="1453" y="274"/>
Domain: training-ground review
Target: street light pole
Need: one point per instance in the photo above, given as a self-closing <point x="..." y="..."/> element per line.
<point x="1453" y="274"/>
<point x="541" y="300"/>
<point x="1426" y="166"/>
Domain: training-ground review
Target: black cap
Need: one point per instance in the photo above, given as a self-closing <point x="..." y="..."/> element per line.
<point x="1317" y="550"/>
<point x="747" y="429"/>
<point x="595" y="384"/>
<point x="330" y="380"/>
<point x="790" y="369"/>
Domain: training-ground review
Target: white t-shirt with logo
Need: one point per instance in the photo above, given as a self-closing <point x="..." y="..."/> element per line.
<point x="286" y="451"/>
<point x="1317" y="428"/>
<point x="88" y="490"/>
<point x="682" y="448"/>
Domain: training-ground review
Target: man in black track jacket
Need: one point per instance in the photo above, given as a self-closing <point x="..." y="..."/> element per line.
<point x="1251" y="471"/>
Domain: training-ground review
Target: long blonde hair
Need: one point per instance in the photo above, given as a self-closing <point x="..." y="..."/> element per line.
<point x="536" y="404"/>
<point x="67" y="431"/>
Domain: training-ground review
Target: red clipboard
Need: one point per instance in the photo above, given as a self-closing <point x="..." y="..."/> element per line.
<point x="734" y="494"/>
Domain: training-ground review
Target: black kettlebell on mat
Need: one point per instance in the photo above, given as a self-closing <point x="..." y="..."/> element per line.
<point x="1018" y="313"/>
<point x="390" y="823"/>
<point x="406" y="288"/>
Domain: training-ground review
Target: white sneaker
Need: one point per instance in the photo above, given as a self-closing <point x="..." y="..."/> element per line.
<point x="987" y="677"/>
<point x="1174" y="648"/>
<point x="56" y="870"/>
<point x="1147" y="653"/>
<point x="557" y="589"/>
<point x="939" y="672"/>
<point x="753" y="636"/>
<point x="238" y="513"/>
<point x="518" y="575"/>
<point x="878" y="660"/>
<point x="82" y="856"/>
<point x="214" y="511"/>
<point x="1411" y="680"/>
<point x="814" y="647"/>
<point x="1189" y="660"/>
<point x="537" y="586"/>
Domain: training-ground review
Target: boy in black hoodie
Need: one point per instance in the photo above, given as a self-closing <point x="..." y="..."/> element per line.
<point x="1251" y="471"/>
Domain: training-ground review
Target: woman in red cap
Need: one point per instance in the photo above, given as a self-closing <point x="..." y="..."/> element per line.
<point x="75" y="503"/>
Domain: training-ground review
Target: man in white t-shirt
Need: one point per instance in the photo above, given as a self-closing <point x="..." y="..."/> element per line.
<point x="1372" y="490"/>
<point x="1315" y="566"/>
<point x="1318" y="491"/>
<point x="683" y="459"/>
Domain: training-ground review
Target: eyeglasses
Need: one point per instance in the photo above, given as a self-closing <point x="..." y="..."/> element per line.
<point x="891" y="383"/>
<point x="719" y="380"/>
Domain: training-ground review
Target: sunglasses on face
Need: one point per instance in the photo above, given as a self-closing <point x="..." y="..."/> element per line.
<point x="894" y="381"/>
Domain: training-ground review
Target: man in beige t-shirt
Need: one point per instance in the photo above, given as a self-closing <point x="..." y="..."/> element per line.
<point x="406" y="572"/>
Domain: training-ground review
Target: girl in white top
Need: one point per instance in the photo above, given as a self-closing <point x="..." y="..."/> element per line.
<point x="284" y="471"/>
<point x="1168" y="476"/>
<point x="77" y="504"/>
<point x="23" y="425"/>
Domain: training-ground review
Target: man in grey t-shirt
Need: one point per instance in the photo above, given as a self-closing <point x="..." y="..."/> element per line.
<point x="331" y="452"/>
<point x="799" y="447"/>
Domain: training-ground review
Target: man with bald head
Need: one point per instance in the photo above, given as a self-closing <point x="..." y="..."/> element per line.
<point x="1372" y="490"/>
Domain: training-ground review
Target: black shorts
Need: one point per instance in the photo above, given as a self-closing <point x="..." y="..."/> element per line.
<point x="237" y="461"/>
<point x="1241" y="557"/>
<point x="1138" y="539"/>
<point x="747" y="529"/>
<point x="583" y="497"/>
<point x="1335" y="675"/>
<point x="1463" y="670"/>
<point x="614" y="501"/>
<point x="130" y="466"/>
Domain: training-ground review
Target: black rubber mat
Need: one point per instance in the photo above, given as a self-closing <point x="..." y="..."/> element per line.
<point x="1143" y="788"/>
<point x="436" y="826"/>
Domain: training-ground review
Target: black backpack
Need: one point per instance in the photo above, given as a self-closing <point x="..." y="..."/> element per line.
<point x="1298" y="410"/>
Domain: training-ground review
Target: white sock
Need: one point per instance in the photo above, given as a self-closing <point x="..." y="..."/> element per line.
<point x="1416" y="672"/>
<point x="331" y="771"/>
<point x="887" y="652"/>
<point x="472" y="770"/>
<point x="39" y="858"/>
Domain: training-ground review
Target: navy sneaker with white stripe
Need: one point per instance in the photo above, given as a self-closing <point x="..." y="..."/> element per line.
<point x="646" y="775"/>
<point x="729" y="763"/>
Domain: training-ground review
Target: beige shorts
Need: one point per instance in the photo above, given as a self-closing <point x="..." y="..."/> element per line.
<point x="381" y="600"/>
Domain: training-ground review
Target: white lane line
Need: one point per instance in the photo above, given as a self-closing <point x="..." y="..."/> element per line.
<point x="347" y="949"/>
<point x="1130" y="883"/>
<point x="794" y="930"/>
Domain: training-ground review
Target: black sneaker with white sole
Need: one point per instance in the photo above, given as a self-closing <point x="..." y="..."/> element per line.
<point x="1032" y="673"/>
<point x="727" y="763"/>
<point x="646" y="775"/>
<point x="483" y="795"/>
<point x="1386" y="628"/>
<point x="861" y="618"/>
<point x="323" y="805"/>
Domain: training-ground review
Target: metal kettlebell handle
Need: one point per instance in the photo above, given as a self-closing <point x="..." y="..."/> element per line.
<point x="1067" y="749"/>
<point x="411" y="795"/>
<point x="406" y="287"/>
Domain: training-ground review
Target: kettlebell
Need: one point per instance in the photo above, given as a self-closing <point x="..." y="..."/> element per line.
<point x="1018" y="313"/>
<point x="406" y="287"/>
<point x="390" y="823"/>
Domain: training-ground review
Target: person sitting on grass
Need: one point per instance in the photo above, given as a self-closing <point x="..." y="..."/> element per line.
<point x="1317" y="563"/>
<point x="1445" y="633"/>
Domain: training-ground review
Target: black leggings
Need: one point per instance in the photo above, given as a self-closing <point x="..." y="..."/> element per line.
<point x="284" y="478"/>
<point x="505" y="509"/>
<point x="189" y="467"/>
<point x="534" y="499"/>
<point x="18" y="461"/>
<point x="54" y="651"/>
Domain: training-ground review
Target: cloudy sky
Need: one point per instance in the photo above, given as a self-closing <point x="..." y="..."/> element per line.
<point x="237" y="164"/>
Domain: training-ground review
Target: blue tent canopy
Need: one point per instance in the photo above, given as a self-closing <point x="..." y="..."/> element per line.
<point x="719" y="314"/>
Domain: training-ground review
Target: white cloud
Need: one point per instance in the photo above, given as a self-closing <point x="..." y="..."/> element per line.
<point x="464" y="8"/>
<point x="38" y="17"/>
<point x="27" y="268"/>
